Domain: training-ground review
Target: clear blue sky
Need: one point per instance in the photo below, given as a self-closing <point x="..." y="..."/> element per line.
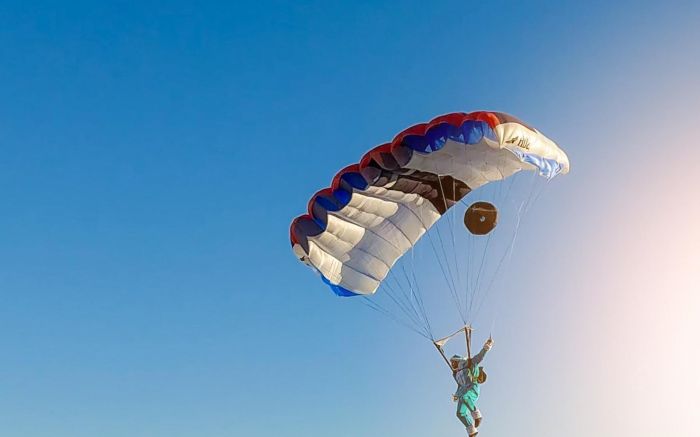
<point x="152" y="157"/>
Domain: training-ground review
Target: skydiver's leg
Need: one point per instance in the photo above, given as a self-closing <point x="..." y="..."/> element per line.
<point x="464" y="414"/>
<point x="476" y="415"/>
<point x="470" y="398"/>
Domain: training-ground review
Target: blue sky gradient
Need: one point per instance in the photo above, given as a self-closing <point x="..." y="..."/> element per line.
<point x="152" y="157"/>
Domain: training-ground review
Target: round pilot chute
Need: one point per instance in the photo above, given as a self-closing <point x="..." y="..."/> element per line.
<point x="481" y="218"/>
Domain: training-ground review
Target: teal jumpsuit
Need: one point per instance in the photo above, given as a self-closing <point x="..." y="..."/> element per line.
<point x="468" y="391"/>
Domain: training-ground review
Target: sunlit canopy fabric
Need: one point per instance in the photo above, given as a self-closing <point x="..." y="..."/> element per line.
<point x="376" y="210"/>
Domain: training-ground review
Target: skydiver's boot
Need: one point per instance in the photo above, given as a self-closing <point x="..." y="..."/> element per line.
<point x="471" y="430"/>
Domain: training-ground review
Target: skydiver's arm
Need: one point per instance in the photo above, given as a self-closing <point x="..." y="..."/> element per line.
<point x="482" y="353"/>
<point x="480" y="356"/>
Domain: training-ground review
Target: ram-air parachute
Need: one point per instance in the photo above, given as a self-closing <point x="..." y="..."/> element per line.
<point x="380" y="209"/>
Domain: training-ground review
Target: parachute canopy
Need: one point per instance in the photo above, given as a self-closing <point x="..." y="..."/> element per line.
<point x="376" y="210"/>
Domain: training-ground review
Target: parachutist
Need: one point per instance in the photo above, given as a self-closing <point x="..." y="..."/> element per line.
<point x="375" y="212"/>
<point x="469" y="376"/>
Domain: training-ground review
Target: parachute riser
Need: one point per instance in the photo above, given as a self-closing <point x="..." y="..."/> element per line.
<point x="442" y="341"/>
<point x="468" y="338"/>
<point x="442" y="353"/>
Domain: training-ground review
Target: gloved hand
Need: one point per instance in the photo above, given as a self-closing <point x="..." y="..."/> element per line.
<point x="455" y="398"/>
<point x="489" y="344"/>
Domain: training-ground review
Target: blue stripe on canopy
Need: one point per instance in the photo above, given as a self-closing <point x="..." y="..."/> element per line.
<point x="548" y="167"/>
<point x="337" y="289"/>
<point x="470" y="132"/>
